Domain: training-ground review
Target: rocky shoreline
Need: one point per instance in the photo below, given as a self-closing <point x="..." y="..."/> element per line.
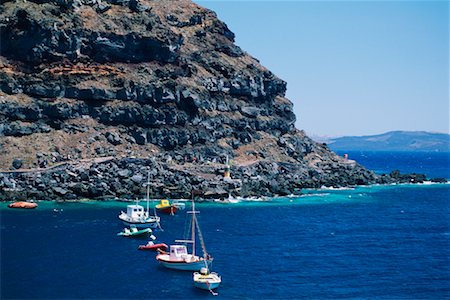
<point x="125" y="178"/>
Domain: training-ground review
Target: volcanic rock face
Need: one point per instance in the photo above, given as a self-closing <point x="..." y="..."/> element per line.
<point x="151" y="85"/>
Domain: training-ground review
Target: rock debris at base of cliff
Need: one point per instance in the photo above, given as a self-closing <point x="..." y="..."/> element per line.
<point x="149" y="86"/>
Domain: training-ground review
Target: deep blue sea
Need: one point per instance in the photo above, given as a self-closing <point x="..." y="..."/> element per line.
<point x="433" y="164"/>
<point x="385" y="242"/>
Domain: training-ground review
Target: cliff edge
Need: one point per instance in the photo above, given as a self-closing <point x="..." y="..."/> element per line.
<point x="96" y="94"/>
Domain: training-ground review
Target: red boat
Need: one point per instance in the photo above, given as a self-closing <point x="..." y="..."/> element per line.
<point x="166" y="207"/>
<point x="23" y="204"/>
<point x="153" y="247"/>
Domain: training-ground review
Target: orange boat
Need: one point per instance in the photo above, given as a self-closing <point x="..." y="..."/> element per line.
<point x="23" y="204"/>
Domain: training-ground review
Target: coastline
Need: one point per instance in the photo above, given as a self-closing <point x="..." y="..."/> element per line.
<point x="318" y="195"/>
<point x="124" y="178"/>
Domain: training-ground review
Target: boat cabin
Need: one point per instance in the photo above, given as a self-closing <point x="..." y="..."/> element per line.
<point x="164" y="203"/>
<point x="135" y="211"/>
<point x="204" y="271"/>
<point x="178" y="252"/>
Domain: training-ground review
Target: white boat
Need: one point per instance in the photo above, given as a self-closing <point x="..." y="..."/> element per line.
<point x="137" y="216"/>
<point x="206" y="280"/>
<point x="179" y="258"/>
<point x="179" y="205"/>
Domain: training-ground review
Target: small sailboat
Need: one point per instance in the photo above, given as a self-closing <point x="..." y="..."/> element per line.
<point x="207" y="280"/>
<point x="137" y="216"/>
<point x="133" y="231"/>
<point x="178" y="257"/>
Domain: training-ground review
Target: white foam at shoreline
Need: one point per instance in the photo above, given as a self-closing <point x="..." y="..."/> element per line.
<point x="314" y="195"/>
<point x="256" y="199"/>
<point x="332" y="188"/>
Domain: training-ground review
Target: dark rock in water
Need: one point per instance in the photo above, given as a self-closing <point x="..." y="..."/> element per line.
<point x="407" y="178"/>
<point x="439" y="180"/>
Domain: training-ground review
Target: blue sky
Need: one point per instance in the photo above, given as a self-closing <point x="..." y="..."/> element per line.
<point x="354" y="67"/>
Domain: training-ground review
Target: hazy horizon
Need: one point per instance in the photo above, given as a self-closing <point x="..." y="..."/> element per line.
<point x="313" y="136"/>
<point x="352" y="68"/>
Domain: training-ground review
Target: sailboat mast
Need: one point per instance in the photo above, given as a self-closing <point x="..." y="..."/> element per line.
<point x="200" y="237"/>
<point x="193" y="225"/>
<point x="148" y="192"/>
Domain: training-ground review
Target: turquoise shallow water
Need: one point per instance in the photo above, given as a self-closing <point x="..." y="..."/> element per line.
<point x="368" y="242"/>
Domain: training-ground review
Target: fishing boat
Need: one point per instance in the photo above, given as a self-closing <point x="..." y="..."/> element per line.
<point x="153" y="247"/>
<point x="133" y="231"/>
<point x="166" y="207"/>
<point x="137" y="216"/>
<point x="23" y="204"/>
<point x="179" y="258"/>
<point x="206" y="280"/>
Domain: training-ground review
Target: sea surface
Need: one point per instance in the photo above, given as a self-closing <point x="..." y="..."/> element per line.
<point x="432" y="164"/>
<point x="376" y="242"/>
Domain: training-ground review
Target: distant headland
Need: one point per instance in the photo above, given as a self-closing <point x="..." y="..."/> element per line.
<point x="392" y="141"/>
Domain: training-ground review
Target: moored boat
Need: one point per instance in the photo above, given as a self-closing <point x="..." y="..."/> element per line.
<point x="133" y="231"/>
<point x="179" y="258"/>
<point x="137" y="216"/>
<point x="206" y="280"/>
<point x="166" y="207"/>
<point x="23" y="204"/>
<point x="153" y="247"/>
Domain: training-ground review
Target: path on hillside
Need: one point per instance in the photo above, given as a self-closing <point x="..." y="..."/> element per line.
<point x="82" y="162"/>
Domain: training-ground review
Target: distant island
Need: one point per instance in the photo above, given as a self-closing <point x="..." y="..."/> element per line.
<point x="392" y="141"/>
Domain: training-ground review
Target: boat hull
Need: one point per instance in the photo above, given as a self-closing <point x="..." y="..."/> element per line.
<point x="170" y="210"/>
<point x="154" y="247"/>
<point x="140" y="225"/>
<point x="183" y="266"/>
<point x="23" y="204"/>
<point x="144" y="231"/>
<point x="205" y="286"/>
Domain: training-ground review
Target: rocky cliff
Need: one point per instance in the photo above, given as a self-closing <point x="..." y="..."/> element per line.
<point x="97" y="93"/>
